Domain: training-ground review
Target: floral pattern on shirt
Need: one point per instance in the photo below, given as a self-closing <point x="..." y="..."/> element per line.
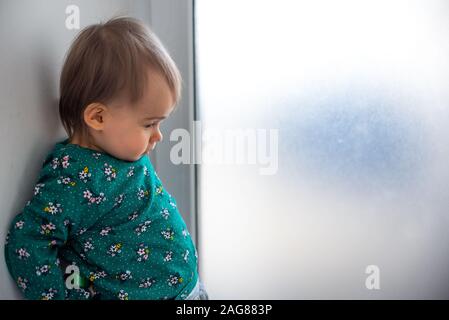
<point x="112" y="219"/>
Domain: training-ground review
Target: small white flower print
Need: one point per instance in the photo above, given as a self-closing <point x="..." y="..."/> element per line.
<point x="143" y="253"/>
<point x="53" y="208"/>
<point x="168" y="256"/>
<point x="101" y="274"/>
<point x="142" y="194"/>
<point x="168" y="234"/>
<point x="88" y="245"/>
<point x="19" y="224"/>
<point x="38" y="187"/>
<point x="43" y="270"/>
<point x="55" y="163"/>
<point x="124" y="276"/>
<point x="145" y="170"/>
<point x="66" y="181"/>
<point x="100" y="198"/>
<point x="173" y="204"/>
<point x="97" y="275"/>
<point x="130" y="172"/>
<point x="96" y="155"/>
<point x="22" y="253"/>
<point x="87" y="194"/>
<point x="22" y="283"/>
<point x="84" y="175"/>
<point x="105" y="231"/>
<point x="49" y="294"/>
<point x="91" y="199"/>
<point x="81" y="231"/>
<point x="110" y="172"/>
<point x="146" y="283"/>
<point x="133" y="216"/>
<point x="115" y="249"/>
<point x="87" y="294"/>
<point x="119" y="200"/>
<point x="142" y="227"/>
<point x="65" y="161"/>
<point x="159" y="190"/>
<point x="123" y="295"/>
<point x="46" y="229"/>
<point x="185" y="233"/>
<point x="83" y="292"/>
<point x="165" y="213"/>
<point x="174" y="280"/>
<point x="185" y="256"/>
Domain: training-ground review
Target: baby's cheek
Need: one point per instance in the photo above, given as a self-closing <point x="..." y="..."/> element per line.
<point x="140" y="144"/>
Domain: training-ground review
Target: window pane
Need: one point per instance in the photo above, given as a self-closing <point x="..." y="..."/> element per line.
<point x="358" y="91"/>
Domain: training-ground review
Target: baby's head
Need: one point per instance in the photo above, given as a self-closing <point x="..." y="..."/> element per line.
<point x="117" y="84"/>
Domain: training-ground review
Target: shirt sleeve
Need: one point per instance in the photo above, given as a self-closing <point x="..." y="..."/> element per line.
<point x="34" y="239"/>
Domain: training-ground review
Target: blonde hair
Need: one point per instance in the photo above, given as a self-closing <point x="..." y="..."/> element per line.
<point x="111" y="59"/>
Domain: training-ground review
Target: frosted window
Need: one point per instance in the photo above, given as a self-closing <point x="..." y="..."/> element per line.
<point x="359" y="91"/>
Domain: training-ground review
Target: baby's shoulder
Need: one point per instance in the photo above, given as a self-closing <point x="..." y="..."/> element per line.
<point x="71" y="184"/>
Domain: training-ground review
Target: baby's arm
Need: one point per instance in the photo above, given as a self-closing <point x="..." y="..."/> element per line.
<point x="35" y="236"/>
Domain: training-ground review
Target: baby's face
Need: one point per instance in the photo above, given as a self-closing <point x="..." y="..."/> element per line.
<point x="132" y="131"/>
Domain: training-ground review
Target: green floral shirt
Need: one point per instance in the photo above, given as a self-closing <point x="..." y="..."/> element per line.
<point x="109" y="219"/>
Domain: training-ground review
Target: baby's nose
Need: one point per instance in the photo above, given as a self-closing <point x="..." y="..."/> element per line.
<point x="159" y="136"/>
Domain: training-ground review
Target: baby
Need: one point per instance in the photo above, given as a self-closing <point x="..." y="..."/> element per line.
<point x="98" y="206"/>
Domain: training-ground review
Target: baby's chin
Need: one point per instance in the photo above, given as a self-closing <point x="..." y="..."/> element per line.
<point x="146" y="154"/>
<point x="132" y="158"/>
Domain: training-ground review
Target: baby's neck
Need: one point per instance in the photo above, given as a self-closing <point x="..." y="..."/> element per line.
<point x="84" y="143"/>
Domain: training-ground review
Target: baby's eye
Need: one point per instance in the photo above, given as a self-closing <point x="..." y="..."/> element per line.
<point x="150" y="125"/>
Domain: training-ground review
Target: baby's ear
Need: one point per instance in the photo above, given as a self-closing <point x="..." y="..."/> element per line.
<point x="94" y="115"/>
